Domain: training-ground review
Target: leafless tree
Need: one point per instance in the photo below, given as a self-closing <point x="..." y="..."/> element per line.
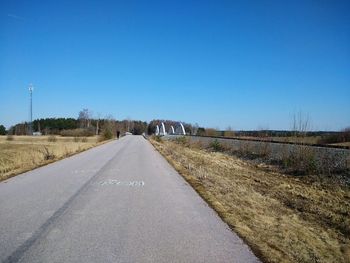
<point x="130" y="124"/>
<point x="301" y="124"/>
<point x="109" y="128"/>
<point x="229" y="132"/>
<point x="194" y="129"/>
<point x="98" y="123"/>
<point x="85" y="118"/>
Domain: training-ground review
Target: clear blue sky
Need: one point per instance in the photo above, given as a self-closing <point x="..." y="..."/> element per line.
<point x="244" y="64"/>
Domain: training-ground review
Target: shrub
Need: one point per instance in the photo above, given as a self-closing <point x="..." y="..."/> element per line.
<point x="201" y="131"/>
<point x="181" y="140"/>
<point x="84" y="139"/>
<point x="10" y="138"/>
<point x="216" y="146"/>
<point x="47" y="154"/>
<point x="301" y="161"/>
<point x="158" y="138"/>
<point x="108" y="130"/>
<point x="78" y="132"/>
<point x="52" y="138"/>
<point x="76" y="139"/>
<point x="264" y="149"/>
<point x="106" y="134"/>
<point x="244" y="149"/>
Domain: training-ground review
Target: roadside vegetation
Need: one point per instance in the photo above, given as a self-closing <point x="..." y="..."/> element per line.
<point x="57" y="138"/>
<point x="341" y="138"/>
<point x="84" y="126"/>
<point x="283" y="217"/>
<point x="19" y="154"/>
<point x="89" y="124"/>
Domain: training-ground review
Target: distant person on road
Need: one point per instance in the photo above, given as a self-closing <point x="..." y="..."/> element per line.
<point x="118" y="134"/>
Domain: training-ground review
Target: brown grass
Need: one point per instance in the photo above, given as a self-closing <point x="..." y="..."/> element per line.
<point x="25" y="153"/>
<point x="283" y="218"/>
<point x="341" y="144"/>
<point x="293" y="139"/>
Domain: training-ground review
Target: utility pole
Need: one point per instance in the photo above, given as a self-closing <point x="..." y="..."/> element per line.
<point x="31" y="88"/>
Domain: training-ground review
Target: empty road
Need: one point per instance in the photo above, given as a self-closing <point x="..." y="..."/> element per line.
<point x="118" y="202"/>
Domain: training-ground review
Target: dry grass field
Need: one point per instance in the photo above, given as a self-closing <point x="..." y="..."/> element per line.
<point x="23" y="153"/>
<point x="292" y="139"/>
<point x="306" y="140"/>
<point x="283" y="218"/>
<point x="342" y="144"/>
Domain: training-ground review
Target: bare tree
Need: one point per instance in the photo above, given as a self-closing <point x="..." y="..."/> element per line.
<point x="98" y="123"/>
<point x="130" y="124"/>
<point x="109" y="128"/>
<point x="301" y="124"/>
<point x="85" y="118"/>
<point x="194" y="129"/>
<point x="229" y="132"/>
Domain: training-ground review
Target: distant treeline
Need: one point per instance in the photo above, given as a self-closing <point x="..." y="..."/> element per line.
<point x="335" y="137"/>
<point x="55" y="124"/>
<point x="88" y="127"/>
<point x="84" y="125"/>
<point x="277" y="133"/>
<point x="77" y="127"/>
<point x="46" y="126"/>
<point x="324" y="137"/>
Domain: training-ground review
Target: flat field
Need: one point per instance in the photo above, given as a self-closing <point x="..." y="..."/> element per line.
<point x="292" y="139"/>
<point x="342" y="144"/>
<point x="22" y="153"/>
<point x="283" y="218"/>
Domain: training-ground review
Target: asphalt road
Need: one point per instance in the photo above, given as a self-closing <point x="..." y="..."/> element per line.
<point x="119" y="202"/>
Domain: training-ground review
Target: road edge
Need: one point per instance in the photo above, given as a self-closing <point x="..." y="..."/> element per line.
<point x="212" y="202"/>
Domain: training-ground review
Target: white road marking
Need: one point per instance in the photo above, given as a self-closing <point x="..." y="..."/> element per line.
<point x="123" y="183"/>
<point x="84" y="171"/>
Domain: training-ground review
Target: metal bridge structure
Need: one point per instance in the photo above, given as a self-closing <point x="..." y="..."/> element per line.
<point x="179" y="129"/>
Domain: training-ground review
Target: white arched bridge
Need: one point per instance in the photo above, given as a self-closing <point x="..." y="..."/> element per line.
<point x="179" y="129"/>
